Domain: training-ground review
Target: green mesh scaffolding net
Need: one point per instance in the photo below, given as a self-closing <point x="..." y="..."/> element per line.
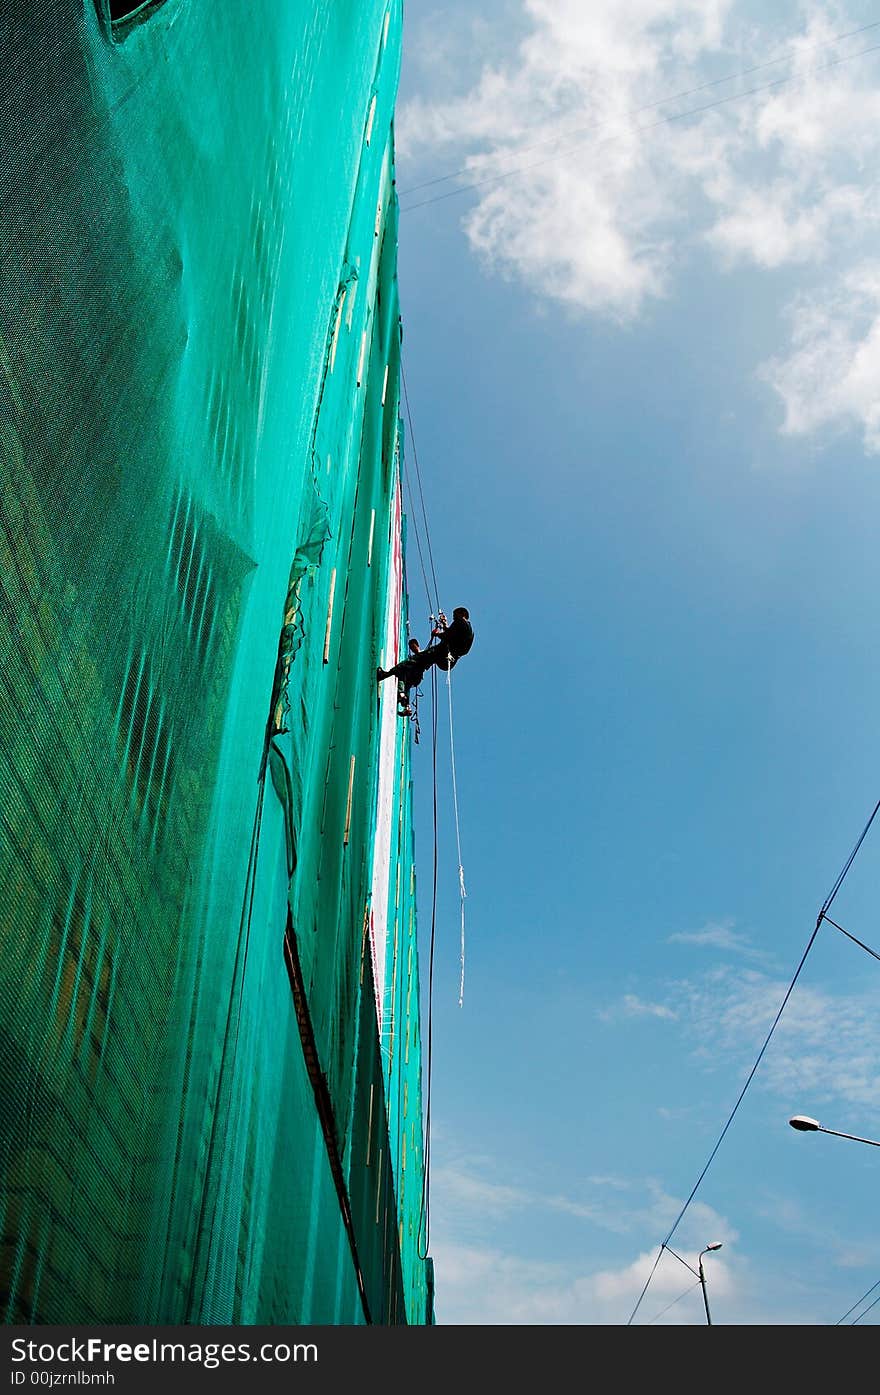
<point x="210" y="1057"/>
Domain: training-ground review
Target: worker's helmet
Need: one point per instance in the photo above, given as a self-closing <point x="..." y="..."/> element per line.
<point x="461" y="610"/>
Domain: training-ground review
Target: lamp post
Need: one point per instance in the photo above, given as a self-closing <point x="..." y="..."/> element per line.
<point x="805" y="1124"/>
<point x="700" y="1275"/>
<point x="716" y="1246"/>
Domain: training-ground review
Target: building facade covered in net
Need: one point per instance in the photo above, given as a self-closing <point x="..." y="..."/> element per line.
<point x="210" y="1057"/>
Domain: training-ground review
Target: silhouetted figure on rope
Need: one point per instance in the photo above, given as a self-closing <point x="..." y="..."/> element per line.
<point x="453" y="640"/>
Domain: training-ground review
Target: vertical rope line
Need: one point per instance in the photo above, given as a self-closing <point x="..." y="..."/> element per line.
<point x="425" y="1209"/>
<point x="412" y="437"/>
<point x="461" y="887"/>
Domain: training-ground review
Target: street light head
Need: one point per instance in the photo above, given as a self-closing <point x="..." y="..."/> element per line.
<point x="716" y="1246"/>
<point x="804" y="1122"/>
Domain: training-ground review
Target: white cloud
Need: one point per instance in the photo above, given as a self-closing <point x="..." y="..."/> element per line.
<point x="490" y="1286"/>
<point x="831" y="376"/>
<point x="611" y="194"/>
<point x="490" y="1271"/>
<point x="487" y="1285"/>
<point x="612" y="200"/>
<point x="496" y="1277"/>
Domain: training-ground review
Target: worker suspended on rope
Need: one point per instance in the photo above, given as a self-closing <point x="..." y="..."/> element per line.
<point x="452" y="641"/>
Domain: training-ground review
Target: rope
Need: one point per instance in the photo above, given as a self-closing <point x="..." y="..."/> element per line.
<point x="461" y="887"/>
<point x="425" y="1209"/>
<point x="412" y="437"/>
<point x="415" y="524"/>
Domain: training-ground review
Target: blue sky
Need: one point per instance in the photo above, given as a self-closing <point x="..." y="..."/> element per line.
<point x="644" y="380"/>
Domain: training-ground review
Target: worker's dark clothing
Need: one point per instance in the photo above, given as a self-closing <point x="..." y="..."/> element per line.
<point x="457" y="638"/>
<point x="455" y="641"/>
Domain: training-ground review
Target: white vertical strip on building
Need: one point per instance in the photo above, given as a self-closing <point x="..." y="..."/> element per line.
<point x="385" y="799"/>
<point x="329" y="628"/>
<point x="363" y="354"/>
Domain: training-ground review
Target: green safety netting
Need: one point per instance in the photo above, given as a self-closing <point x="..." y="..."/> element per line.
<point x="210" y="1060"/>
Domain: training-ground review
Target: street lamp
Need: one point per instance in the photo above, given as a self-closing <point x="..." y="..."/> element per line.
<point x="805" y="1124"/>
<point x="716" y="1246"/>
<point x="700" y="1275"/>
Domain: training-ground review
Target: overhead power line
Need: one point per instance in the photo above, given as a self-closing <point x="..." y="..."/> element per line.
<point x="866" y="948"/>
<point x="690" y="1288"/>
<point x="865" y="1313"/>
<point x="858" y="1303"/>
<point x="823" y="915"/>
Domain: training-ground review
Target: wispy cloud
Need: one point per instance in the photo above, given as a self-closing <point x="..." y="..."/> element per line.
<point x="610" y="193"/>
<point x="631" y="1005"/>
<point x="614" y="193"/>
<point x="718" y="934"/>
<point x="488" y="1272"/>
<point x="469" y="1188"/>
<point x="794" y="1218"/>
<point x="825" y="1048"/>
<point x="831" y="374"/>
<point x="488" y="1285"/>
<point x="485" y="1281"/>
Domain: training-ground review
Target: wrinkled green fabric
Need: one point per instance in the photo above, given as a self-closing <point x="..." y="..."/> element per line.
<point x="199" y="350"/>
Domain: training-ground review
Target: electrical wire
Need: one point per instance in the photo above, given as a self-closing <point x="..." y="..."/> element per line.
<point x="651" y="106"/>
<point x="829" y="899"/>
<point x="867" y="1310"/>
<point x="680" y="1260"/>
<point x="826" y="905"/>
<point x="858" y="1303"/>
<point x="648" y="126"/>
<point x="866" y="948"/>
<point x="688" y="1290"/>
